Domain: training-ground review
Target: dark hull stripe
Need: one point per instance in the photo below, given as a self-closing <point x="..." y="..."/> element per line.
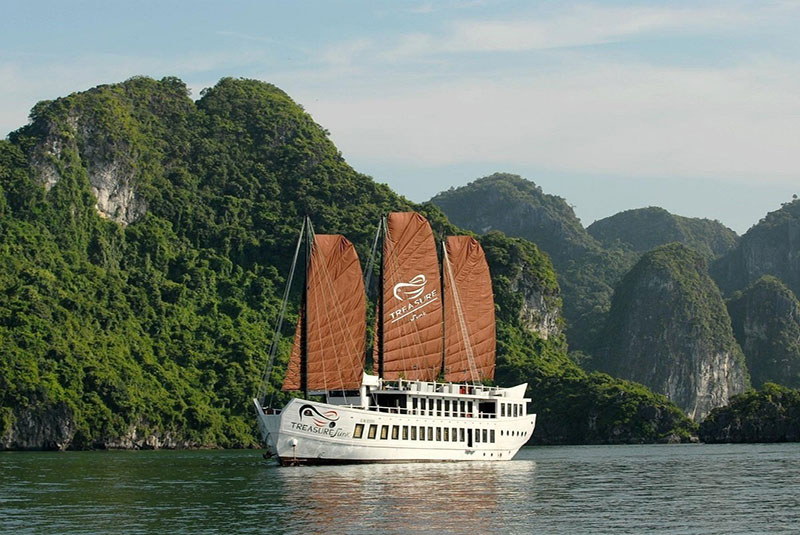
<point x="314" y="461"/>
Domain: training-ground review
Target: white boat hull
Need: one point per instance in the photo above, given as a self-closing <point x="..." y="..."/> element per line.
<point x="309" y="432"/>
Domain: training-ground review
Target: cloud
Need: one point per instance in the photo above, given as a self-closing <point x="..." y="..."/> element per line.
<point x="632" y="120"/>
<point x="575" y="26"/>
<point x="346" y="53"/>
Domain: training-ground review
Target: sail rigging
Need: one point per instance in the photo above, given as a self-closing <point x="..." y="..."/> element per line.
<point x="334" y="312"/>
<point x="469" y="329"/>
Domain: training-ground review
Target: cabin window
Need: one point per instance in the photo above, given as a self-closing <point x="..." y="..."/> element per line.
<point x="373" y="430"/>
<point x="414" y="402"/>
<point x="421" y="433"/>
<point x="522" y="410"/>
<point x="359" y="430"/>
<point x="463" y="407"/>
<point x="515" y="410"/>
<point x="395" y="432"/>
<point x="447" y="407"/>
<point x="413" y="432"/>
<point x="491" y="436"/>
<point x="485" y="433"/>
<point x="454" y="435"/>
<point x="384" y="432"/>
<point x="477" y="435"/>
<point x="461" y="434"/>
<point x="430" y="433"/>
<point x="438" y="434"/>
<point x="438" y="407"/>
<point x="446" y="434"/>
<point x="405" y="432"/>
<point x="502" y="409"/>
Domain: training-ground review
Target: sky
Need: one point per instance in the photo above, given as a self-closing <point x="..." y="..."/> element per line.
<point x="691" y="106"/>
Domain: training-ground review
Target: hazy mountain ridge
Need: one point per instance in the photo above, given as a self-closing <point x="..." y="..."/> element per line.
<point x="766" y="322"/>
<point x="770" y="247"/>
<point x="586" y="271"/>
<point x="643" y="229"/>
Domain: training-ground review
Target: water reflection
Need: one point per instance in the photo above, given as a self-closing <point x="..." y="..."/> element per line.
<point x="401" y="498"/>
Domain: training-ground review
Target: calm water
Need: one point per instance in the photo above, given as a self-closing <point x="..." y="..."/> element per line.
<point x="596" y="489"/>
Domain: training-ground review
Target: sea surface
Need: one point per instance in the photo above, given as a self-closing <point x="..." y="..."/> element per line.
<point x="700" y="489"/>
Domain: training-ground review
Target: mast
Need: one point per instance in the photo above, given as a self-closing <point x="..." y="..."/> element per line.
<point x="443" y="368"/>
<point x="304" y="316"/>
<point x="380" y="299"/>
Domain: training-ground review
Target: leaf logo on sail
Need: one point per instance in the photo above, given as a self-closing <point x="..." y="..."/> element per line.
<point x="320" y="419"/>
<point x="411" y="289"/>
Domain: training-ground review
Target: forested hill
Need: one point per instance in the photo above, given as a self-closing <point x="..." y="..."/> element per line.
<point x="644" y="229"/>
<point x="144" y="240"/>
<point x="143" y="251"/>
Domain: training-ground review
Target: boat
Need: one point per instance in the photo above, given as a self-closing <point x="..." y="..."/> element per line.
<point x="427" y="397"/>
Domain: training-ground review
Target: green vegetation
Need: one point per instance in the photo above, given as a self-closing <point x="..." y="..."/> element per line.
<point x="769" y="415"/>
<point x="153" y="321"/>
<point x="646" y="228"/>
<point x="766" y="322"/>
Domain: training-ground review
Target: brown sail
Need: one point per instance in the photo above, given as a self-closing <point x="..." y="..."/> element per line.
<point x="469" y="312"/>
<point x="336" y="323"/>
<point x="412" y="304"/>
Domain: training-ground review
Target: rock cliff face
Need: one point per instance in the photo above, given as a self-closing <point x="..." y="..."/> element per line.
<point x="772" y="247"/>
<point x="524" y="278"/>
<point x="766" y="322"/>
<point x="49" y="428"/>
<point x="669" y="330"/>
<point x="111" y="171"/>
<point x="54" y="428"/>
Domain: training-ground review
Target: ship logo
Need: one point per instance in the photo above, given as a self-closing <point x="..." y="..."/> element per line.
<point x="320" y="419"/>
<point x="411" y="289"/>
